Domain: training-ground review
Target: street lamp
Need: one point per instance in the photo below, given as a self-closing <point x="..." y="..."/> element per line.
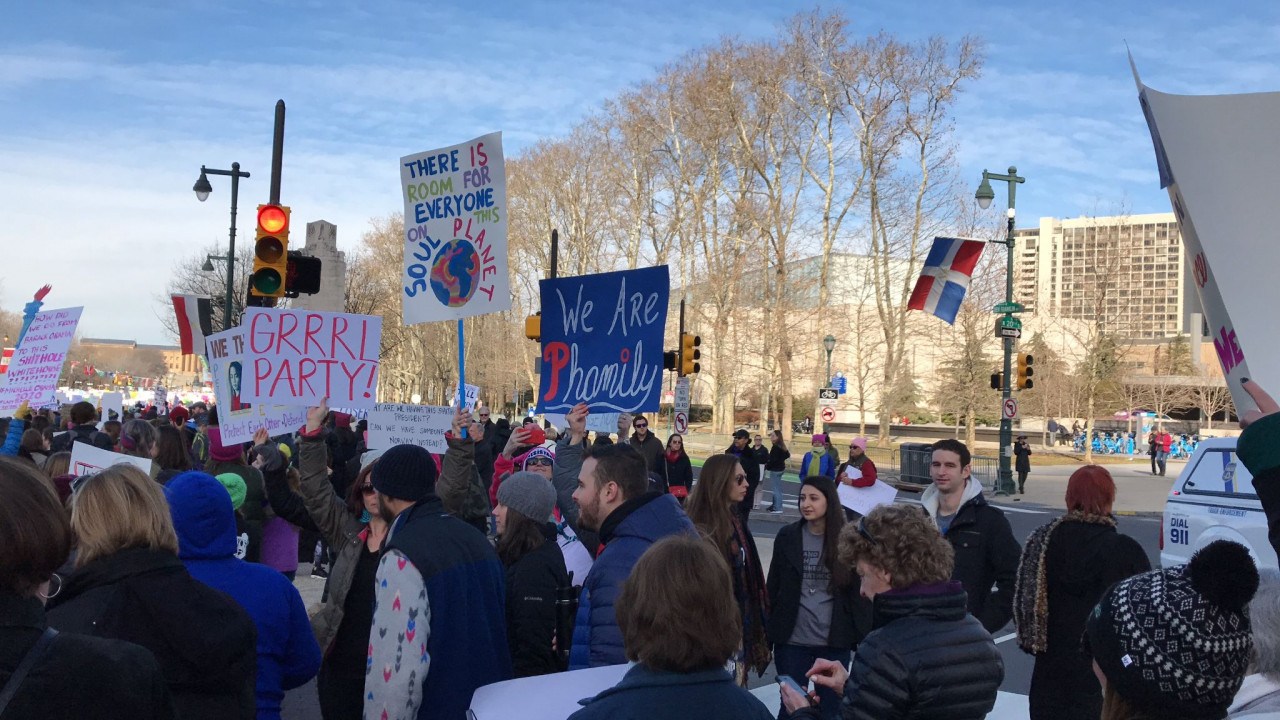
<point x="984" y="196"/>
<point x="202" y="189"/>
<point x="829" y="342"/>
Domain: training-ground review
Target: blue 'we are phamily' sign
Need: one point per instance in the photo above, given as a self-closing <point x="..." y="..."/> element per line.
<point x="602" y="341"/>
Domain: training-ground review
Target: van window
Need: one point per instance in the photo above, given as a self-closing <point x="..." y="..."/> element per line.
<point x="1220" y="472"/>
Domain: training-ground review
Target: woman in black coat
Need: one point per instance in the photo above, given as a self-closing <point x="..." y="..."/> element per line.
<point x="816" y="609"/>
<point x="926" y="657"/>
<point x="130" y="585"/>
<point x="70" y="676"/>
<point x="674" y="468"/>
<point x="1066" y="567"/>
<point x="535" y="570"/>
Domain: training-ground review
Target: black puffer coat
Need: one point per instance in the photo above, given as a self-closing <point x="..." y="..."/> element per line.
<point x="203" y="641"/>
<point x="927" y="658"/>
<point x="78" y="676"/>
<point x="532" y="582"/>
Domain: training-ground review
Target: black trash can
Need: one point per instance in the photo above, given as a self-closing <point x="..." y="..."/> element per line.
<point x="914" y="460"/>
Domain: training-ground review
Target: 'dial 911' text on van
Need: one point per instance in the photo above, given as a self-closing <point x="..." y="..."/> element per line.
<point x="1214" y="499"/>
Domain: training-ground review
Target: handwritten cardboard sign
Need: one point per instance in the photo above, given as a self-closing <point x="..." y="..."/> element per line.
<point x="1216" y="155"/>
<point x="239" y="418"/>
<point x="86" y="458"/>
<point x="471" y="396"/>
<point x="602" y="341"/>
<point x="422" y="425"/>
<point x="298" y="357"/>
<point x="37" y="363"/>
<point x="455" y="232"/>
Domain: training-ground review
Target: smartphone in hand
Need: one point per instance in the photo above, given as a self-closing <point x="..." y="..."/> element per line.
<point x="537" y="436"/>
<point x="791" y="683"/>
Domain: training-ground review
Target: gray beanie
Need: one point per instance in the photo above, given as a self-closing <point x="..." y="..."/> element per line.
<point x="529" y="494"/>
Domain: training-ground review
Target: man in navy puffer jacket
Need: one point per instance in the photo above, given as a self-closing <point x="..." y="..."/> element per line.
<point x="613" y="497"/>
<point x="288" y="655"/>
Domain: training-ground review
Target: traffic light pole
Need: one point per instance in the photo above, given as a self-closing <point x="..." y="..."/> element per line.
<point x="1005" y="485"/>
<point x="277" y="153"/>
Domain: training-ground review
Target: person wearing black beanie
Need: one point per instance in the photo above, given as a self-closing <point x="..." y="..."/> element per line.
<point x="439" y="624"/>
<point x="1175" y="642"/>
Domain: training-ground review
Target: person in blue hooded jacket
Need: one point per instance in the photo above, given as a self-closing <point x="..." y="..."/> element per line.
<point x="613" y="497"/>
<point x="288" y="655"/>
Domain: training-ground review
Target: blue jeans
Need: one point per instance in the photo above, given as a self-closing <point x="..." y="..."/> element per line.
<point x="775" y="487"/>
<point x="796" y="660"/>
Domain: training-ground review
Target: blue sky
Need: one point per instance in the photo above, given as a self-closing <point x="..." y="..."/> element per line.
<point x="107" y="110"/>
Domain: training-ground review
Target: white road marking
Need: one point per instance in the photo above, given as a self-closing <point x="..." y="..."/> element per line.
<point x="1010" y="508"/>
<point x="1010" y="636"/>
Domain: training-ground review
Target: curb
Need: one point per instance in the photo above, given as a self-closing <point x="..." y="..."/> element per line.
<point x="1138" y="513"/>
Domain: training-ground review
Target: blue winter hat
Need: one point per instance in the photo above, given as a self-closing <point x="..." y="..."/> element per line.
<point x="405" y="472"/>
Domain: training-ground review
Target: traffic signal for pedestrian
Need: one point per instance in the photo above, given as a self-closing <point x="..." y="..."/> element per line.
<point x="270" y="252"/>
<point x="302" y="276"/>
<point x="997" y="381"/>
<point x="670" y="361"/>
<point x="690" y="354"/>
<point x="533" y="327"/>
<point x="1025" y="371"/>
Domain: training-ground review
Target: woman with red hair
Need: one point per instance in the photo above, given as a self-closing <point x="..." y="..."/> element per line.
<point x="1066" y="567"/>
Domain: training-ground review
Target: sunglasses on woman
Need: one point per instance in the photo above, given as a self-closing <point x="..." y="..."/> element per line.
<point x="539" y="461"/>
<point x="367" y="489"/>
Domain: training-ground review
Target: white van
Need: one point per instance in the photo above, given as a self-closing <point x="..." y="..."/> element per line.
<point x="1213" y="499"/>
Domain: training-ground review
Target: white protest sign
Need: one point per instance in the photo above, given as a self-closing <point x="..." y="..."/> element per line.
<point x="299" y="357"/>
<point x="86" y="458"/>
<point x="544" y="697"/>
<point x="1217" y="156"/>
<point x="864" y="500"/>
<point x="37" y="363"/>
<point x="455" y="232"/>
<point x="603" y="422"/>
<point x="472" y="394"/>
<point x="421" y="425"/>
<point x="160" y="398"/>
<point x="112" y="402"/>
<point x="238" y="418"/>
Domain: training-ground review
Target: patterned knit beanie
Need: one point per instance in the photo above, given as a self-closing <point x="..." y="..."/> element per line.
<point x="1177" y="641"/>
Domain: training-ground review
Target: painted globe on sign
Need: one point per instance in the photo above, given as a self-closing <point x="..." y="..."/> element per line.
<point x="455" y="273"/>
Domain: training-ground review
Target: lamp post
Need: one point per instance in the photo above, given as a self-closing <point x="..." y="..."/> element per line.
<point x="829" y="342"/>
<point x="984" y="196"/>
<point x="202" y="189"/>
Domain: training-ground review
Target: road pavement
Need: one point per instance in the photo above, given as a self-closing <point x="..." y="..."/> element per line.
<point x="1140" y="499"/>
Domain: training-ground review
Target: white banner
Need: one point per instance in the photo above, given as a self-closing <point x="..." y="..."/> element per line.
<point x="86" y="458"/>
<point x="1217" y="156"/>
<point x="33" y="372"/>
<point x="299" y="357"/>
<point x="421" y="425"/>
<point x="455" y="225"/>
<point x="237" y="417"/>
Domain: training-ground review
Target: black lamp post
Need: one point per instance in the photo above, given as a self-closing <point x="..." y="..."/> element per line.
<point x="202" y="189"/>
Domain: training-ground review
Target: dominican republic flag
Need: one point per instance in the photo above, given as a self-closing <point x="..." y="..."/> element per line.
<point x="194" y="322"/>
<point x="945" y="277"/>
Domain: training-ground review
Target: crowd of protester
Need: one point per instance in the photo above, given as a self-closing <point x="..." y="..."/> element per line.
<point x="521" y="552"/>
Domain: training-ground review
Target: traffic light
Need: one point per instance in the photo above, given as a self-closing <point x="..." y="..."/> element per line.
<point x="689" y="349"/>
<point x="670" y="361"/>
<point x="302" y="276"/>
<point x="533" y="327"/>
<point x="997" y="381"/>
<point x="1025" y="371"/>
<point x="270" y="252"/>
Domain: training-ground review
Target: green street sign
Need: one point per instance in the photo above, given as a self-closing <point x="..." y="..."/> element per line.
<point x="1005" y="308"/>
<point x="1011" y="323"/>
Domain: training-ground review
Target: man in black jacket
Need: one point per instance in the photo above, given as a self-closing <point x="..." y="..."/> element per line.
<point x="741" y="449"/>
<point x="986" y="552"/>
<point x="81" y="428"/>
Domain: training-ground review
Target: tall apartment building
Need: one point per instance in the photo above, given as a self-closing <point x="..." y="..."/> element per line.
<point x="1132" y="270"/>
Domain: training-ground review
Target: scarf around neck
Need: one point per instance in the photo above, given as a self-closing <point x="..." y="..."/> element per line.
<point x="1031" y="593"/>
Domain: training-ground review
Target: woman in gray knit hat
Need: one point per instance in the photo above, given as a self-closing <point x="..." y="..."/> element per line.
<point x="1175" y="643"/>
<point x="535" y="570"/>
